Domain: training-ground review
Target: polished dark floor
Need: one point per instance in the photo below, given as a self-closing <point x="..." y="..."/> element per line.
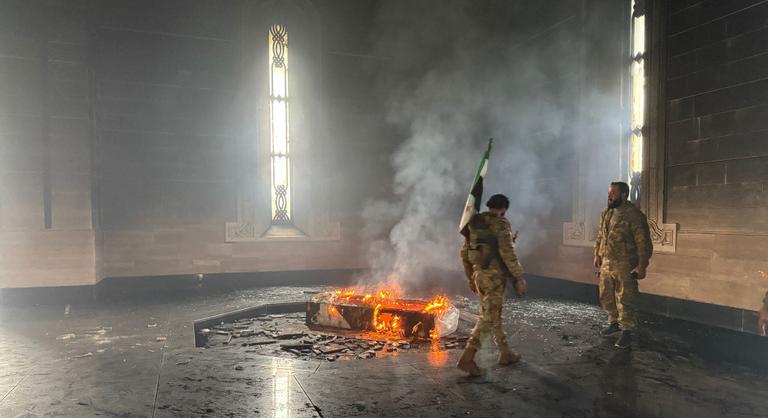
<point x="118" y="364"/>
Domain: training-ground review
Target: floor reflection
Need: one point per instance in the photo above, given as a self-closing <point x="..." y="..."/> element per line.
<point x="282" y="375"/>
<point x="618" y="385"/>
<point x="436" y="356"/>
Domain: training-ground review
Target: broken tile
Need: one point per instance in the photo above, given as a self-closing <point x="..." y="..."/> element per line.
<point x="83" y="355"/>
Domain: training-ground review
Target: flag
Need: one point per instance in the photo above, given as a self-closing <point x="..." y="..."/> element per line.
<point x="472" y="206"/>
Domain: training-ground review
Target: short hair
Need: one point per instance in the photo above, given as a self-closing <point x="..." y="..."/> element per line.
<point x="498" y="201"/>
<point x="623" y="187"/>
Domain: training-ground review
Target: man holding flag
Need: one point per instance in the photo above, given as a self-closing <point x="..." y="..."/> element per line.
<point x="488" y="256"/>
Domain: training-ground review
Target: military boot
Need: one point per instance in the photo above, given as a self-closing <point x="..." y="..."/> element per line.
<point x="467" y="362"/>
<point x="610" y="329"/>
<point x="625" y="341"/>
<point x="507" y="356"/>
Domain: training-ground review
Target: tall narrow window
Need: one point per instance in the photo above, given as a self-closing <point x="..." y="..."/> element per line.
<point x="637" y="98"/>
<point x="280" y="151"/>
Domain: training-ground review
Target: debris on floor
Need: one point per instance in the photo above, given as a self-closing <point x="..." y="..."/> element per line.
<point x="288" y="335"/>
<point x="97" y="331"/>
<point x="83" y="355"/>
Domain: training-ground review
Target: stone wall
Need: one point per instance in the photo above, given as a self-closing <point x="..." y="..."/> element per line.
<point x="716" y="153"/>
<point x="133" y="132"/>
<point x="46" y="225"/>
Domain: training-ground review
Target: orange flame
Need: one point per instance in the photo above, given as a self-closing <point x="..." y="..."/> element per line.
<point x="376" y="317"/>
<point x="333" y="311"/>
<point x="438" y="304"/>
<point x="387" y="298"/>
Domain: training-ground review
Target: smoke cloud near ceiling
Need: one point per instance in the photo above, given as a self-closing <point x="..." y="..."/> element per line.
<point x="459" y="73"/>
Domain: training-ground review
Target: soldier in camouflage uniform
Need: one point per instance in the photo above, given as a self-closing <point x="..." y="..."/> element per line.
<point x="622" y="253"/>
<point x="489" y="258"/>
<point x="762" y="317"/>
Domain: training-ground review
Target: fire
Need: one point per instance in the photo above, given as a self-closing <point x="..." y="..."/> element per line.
<point x="388" y="298"/>
<point x="376" y="317"/>
<point x="387" y="323"/>
<point x="333" y="311"/>
<point x="438" y="305"/>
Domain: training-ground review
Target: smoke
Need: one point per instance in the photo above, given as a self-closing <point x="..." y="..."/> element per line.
<point x="462" y="72"/>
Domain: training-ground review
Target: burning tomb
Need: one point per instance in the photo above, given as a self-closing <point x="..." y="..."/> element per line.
<point x="383" y="313"/>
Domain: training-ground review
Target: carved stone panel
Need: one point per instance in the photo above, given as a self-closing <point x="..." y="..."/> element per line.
<point x="250" y="232"/>
<point x="578" y="234"/>
<point x="664" y="237"/>
<point x="240" y="232"/>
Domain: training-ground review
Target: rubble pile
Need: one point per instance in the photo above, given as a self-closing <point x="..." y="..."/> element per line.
<point x="288" y="335"/>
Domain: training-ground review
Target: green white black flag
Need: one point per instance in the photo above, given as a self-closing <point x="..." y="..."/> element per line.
<point x="476" y="192"/>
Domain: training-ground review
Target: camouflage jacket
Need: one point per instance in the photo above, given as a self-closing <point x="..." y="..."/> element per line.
<point x="624" y="236"/>
<point x="504" y="258"/>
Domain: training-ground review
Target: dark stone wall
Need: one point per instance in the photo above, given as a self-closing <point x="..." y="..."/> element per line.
<point x="717" y="92"/>
<point x="716" y="153"/>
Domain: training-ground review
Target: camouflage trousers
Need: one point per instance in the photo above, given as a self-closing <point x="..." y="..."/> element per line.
<point x="619" y="294"/>
<point x="490" y="286"/>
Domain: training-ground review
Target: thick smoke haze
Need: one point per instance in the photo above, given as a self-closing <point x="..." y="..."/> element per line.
<point x="460" y="73"/>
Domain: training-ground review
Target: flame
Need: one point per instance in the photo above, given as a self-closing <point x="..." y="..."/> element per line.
<point x="376" y="317"/>
<point x="434" y="334"/>
<point x="387" y="298"/>
<point x="386" y="323"/>
<point x="333" y="311"/>
<point x="438" y="304"/>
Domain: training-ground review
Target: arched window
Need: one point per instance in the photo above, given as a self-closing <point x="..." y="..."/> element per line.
<point x="637" y="99"/>
<point x="279" y="129"/>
